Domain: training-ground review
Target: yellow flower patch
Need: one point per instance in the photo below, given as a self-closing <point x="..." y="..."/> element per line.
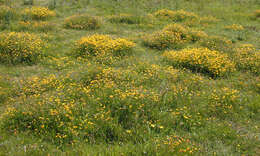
<point x="172" y="36"/>
<point x="248" y="58"/>
<point x="102" y="45"/>
<point x="201" y="60"/>
<point x="39" y="13"/>
<point x="20" y="47"/>
<point x="223" y="101"/>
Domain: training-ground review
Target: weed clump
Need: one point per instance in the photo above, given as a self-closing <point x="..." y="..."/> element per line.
<point x="102" y="45"/>
<point x="201" y="60"/>
<point x="126" y="18"/>
<point x="177" y="16"/>
<point x="247" y="58"/>
<point x="82" y="22"/>
<point x="20" y="47"/>
<point x="38" y="13"/>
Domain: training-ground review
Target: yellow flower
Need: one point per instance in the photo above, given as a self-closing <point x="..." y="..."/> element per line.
<point x="202" y="60"/>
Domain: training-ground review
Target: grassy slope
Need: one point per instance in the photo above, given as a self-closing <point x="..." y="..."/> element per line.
<point x="233" y="133"/>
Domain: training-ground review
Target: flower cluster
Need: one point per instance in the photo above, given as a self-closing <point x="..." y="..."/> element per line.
<point x="85" y="22"/>
<point x="39" y="13"/>
<point x="247" y="58"/>
<point x="172" y="36"/>
<point x="178" y="16"/>
<point x="20" y="47"/>
<point x="176" y="145"/>
<point x="235" y="27"/>
<point x="36" y="85"/>
<point x="126" y="18"/>
<point x="223" y="101"/>
<point x="201" y="60"/>
<point x="103" y="45"/>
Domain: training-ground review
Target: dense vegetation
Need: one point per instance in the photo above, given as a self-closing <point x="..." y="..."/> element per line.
<point x="129" y="77"/>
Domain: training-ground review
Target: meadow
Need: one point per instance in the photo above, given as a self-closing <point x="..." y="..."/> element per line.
<point x="129" y="77"/>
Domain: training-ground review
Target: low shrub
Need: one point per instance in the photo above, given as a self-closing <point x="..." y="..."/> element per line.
<point x="85" y="22"/>
<point x="172" y="36"/>
<point x="20" y="47"/>
<point x="101" y="45"/>
<point x="247" y="58"/>
<point x="38" y="13"/>
<point x="126" y="18"/>
<point x="201" y="60"/>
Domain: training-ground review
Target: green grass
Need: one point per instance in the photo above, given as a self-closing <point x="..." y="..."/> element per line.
<point x="138" y="103"/>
